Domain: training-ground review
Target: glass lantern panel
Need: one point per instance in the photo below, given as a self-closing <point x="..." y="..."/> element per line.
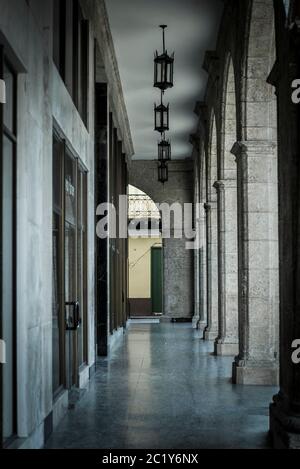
<point x="165" y="119"/>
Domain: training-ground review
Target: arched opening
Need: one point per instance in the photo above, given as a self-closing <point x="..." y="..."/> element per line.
<point x="145" y="256"/>
<point x="203" y="241"/>
<point x="211" y="330"/>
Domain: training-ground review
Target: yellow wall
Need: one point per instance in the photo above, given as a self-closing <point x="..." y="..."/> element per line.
<point x="140" y="266"/>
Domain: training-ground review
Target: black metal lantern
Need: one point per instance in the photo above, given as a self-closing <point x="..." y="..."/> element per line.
<point x="163" y="172"/>
<point x="164" y="150"/>
<point x="163" y="67"/>
<point x="161" y="118"/>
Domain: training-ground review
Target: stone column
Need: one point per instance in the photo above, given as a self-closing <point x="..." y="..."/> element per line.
<point x="203" y="271"/>
<point x="227" y="340"/>
<point x="200" y="316"/>
<point x="196" y="317"/>
<point x="257" y="362"/>
<point x="211" y="330"/>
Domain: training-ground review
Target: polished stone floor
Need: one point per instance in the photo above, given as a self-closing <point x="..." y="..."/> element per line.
<point x="163" y="389"/>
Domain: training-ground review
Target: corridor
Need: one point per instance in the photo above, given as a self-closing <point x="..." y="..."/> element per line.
<point x="145" y="396"/>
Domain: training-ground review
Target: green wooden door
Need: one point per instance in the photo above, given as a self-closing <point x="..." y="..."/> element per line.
<point x="156" y="279"/>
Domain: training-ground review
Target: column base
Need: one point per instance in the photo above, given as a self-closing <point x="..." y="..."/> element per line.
<point x="226" y="350"/>
<point x="202" y="325"/>
<point x="251" y="375"/>
<point x="195" y="322"/>
<point x="282" y="436"/>
<point x="210" y="335"/>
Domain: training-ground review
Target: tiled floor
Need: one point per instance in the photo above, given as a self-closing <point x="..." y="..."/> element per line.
<point x="163" y="388"/>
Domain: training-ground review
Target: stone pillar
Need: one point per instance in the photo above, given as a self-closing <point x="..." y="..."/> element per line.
<point x="257" y="362"/>
<point x="227" y="340"/>
<point x="211" y="330"/>
<point x="196" y="317"/>
<point x="203" y="271"/>
<point x="200" y="315"/>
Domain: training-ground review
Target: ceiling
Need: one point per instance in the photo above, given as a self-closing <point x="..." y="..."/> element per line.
<point x="192" y="29"/>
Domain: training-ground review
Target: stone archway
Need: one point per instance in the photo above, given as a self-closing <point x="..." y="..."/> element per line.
<point x="226" y="187"/>
<point x="256" y="153"/>
<point x="177" y="259"/>
<point x="211" y="330"/>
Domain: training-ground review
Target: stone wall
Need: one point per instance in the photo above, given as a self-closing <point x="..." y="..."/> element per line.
<point x="43" y="101"/>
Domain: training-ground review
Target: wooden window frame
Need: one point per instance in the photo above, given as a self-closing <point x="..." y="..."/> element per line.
<point x="68" y="150"/>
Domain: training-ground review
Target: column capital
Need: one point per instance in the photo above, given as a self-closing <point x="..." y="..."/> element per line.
<point x="253" y="148"/>
<point x="207" y="207"/>
<point x="210" y="206"/>
<point x="223" y="184"/>
<point x="219" y="185"/>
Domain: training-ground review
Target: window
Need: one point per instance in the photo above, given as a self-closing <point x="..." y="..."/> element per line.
<point x="71" y="50"/>
<point x="287" y="6"/>
<point x="8" y="141"/>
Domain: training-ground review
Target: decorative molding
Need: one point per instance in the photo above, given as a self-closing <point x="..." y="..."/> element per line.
<point x="244" y="148"/>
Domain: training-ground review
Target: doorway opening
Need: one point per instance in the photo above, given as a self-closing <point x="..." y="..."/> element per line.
<point x="145" y="256"/>
<point x="69" y="305"/>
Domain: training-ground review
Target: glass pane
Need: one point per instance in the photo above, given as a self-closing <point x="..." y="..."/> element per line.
<point x="56" y="306"/>
<point x="57" y="36"/>
<point x="80" y="297"/>
<point x="81" y="254"/>
<point x="80" y="197"/>
<point x="70" y="263"/>
<point x="287" y="6"/>
<point x="70" y="190"/>
<point x="7" y="287"/>
<point x="165" y="119"/>
<point x="57" y="160"/>
<point x="8" y="108"/>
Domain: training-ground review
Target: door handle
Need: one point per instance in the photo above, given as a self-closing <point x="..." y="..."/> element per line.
<point x="73" y="321"/>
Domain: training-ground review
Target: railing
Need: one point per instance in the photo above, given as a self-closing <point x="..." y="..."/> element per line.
<point x="141" y="206"/>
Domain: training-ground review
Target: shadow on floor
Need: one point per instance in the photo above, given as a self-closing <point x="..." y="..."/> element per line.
<point x="162" y="389"/>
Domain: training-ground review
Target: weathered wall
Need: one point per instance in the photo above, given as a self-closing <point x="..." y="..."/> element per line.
<point x="42" y="100"/>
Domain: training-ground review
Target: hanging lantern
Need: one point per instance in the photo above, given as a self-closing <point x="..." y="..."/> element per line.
<point x="163" y="172"/>
<point x="164" y="150"/>
<point x="161" y="118"/>
<point x="163" y="67"/>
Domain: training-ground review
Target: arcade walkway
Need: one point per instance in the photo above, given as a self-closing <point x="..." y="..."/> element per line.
<point x="157" y="391"/>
